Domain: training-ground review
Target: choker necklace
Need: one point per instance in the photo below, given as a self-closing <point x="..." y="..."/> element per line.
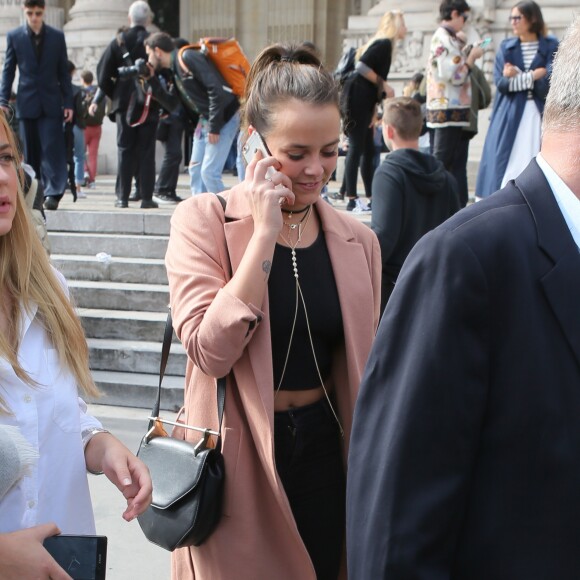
<point x="298" y="224"/>
<point x="300" y="300"/>
<point x="291" y="211"/>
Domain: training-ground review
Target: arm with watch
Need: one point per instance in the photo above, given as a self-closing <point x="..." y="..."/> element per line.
<point x="104" y="453"/>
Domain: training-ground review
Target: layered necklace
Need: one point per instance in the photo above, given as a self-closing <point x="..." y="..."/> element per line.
<point x="300" y="227"/>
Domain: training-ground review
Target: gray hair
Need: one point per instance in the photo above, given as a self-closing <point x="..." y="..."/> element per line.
<point x="140" y="13"/>
<point x="562" y="111"/>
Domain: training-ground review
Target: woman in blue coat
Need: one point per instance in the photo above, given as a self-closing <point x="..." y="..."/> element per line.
<point x="522" y="69"/>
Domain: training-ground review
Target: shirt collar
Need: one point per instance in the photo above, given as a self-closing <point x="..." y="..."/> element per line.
<point x="33" y="34"/>
<point x="568" y="203"/>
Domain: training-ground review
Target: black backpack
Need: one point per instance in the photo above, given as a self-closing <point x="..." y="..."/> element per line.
<point x="345" y="66"/>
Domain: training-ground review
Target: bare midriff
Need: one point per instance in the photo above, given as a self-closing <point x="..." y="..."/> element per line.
<point x="286" y="400"/>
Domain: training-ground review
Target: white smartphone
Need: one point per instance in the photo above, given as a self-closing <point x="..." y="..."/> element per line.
<point x="255" y="143"/>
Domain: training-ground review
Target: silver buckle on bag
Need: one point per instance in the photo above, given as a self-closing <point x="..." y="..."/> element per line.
<point x="202" y="443"/>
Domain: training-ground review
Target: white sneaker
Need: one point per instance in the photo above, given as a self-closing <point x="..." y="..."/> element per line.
<point x="81" y="194"/>
<point x="360" y="206"/>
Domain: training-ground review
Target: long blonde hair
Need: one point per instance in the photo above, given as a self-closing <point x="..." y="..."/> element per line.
<point x="27" y="278"/>
<point x="389" y="27"/>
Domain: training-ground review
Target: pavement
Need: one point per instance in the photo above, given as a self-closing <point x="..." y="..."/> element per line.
<point x="130" y="555"/>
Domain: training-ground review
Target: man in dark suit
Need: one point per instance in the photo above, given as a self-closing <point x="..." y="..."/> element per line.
<point x="44" y="97"/>
<point x="464" y="459"/>
<point x="135" y="144"/>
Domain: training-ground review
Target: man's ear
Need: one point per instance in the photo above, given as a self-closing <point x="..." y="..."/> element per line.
<point x="251" y="129"/>
<point x="389" y="131"/>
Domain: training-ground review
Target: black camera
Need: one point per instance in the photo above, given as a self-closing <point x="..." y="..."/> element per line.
<point x="139" y="69"/>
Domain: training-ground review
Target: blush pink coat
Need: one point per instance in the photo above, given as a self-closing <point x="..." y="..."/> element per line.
<point x="257" y="537"/>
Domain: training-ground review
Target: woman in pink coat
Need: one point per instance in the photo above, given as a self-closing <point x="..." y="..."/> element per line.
<point x="281" y="294"/>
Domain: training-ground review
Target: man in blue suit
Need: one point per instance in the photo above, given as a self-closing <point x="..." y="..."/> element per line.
<point x="464" y="459"/>
<point x="44" y="97"/>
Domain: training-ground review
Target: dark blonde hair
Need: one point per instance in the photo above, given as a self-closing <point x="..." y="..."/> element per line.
<point x="27" y="278"/>
<point x="279" y="74"/>
<point x="404" y="114"/>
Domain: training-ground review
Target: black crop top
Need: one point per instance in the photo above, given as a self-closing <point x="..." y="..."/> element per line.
<point x="378" y="57"/>
<point x="323" y="308"/>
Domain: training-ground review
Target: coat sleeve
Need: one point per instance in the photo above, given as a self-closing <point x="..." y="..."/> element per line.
<point x="208" y="76"/>
<point x="418" y="417"/>
<point x="450" y="62"/>
<point x="541" y="86"/>
<point x="9" y="71"/>
<point x="502" y="83"/>
<point x="214" y="326"/>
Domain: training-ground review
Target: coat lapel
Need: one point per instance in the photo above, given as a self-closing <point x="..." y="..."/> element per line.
<point x="562" y="283"/>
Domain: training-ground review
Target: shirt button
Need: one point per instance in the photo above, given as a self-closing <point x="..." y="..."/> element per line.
<point x="27" y="398"/>
<point x="31" y="503"/>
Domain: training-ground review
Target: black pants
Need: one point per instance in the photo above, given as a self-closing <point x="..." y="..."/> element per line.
<point x="135" y="156"/>
<point x="459" y="168"/>
<point x="446" y="142"/>
<point x="171" y="165"/>
<point x="362" y="99"/>
<point x="309" y="462"/>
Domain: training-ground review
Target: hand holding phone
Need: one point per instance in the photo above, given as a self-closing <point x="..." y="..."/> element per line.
<point x="256" y="143"/>
<point x="82" y="557"/>
<point x="485" y="42"/>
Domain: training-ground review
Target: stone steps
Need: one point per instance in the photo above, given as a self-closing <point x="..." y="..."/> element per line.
<point x="117" y="269"/>
<point x="121" y="297"/>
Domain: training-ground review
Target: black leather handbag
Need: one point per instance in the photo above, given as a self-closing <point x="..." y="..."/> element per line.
<point x="188" y="480"/>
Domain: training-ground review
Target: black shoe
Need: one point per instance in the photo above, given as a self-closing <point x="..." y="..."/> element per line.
<point x="351" y="204"/>
<point x="121" y="203"/>
<point x="167" y="198"/>
<point x="337" y="195"/>
<point x="51" y="203"/>
<point x="135" y="197"/>
<point x="149" y="204"/>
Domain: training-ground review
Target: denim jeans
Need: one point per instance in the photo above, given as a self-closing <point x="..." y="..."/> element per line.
<point x="309" y="463"/>
<point x="79" y="154"/>
<point x="208" y="159"/>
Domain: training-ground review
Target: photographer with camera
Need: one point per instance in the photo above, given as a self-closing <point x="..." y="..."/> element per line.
<point x="120" y="75"/>
<point x="202" y="91"/>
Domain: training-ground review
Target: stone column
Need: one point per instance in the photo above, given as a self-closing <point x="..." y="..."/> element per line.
<point x="92" y="25"/>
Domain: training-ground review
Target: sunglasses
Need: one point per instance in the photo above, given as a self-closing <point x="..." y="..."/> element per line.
<point x="514" y="18"/>
<point x="465" y="16"/>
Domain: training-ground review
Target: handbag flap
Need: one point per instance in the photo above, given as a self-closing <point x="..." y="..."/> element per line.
<point x="174" y="466"/>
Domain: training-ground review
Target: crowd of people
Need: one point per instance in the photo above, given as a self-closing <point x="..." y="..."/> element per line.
<point x="401" y="400"/>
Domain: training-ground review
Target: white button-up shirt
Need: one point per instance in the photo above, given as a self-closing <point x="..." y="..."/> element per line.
<point x="51" y="417"/>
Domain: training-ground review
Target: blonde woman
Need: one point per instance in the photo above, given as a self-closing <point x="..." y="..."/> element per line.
<point x="361" y="94"/>
<point x="43" y="362"/>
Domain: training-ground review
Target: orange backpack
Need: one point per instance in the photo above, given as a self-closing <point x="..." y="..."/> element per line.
<point x="227" y="56"/>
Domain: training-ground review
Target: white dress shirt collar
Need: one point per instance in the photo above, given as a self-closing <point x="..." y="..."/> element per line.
<point x="568" y="203"/>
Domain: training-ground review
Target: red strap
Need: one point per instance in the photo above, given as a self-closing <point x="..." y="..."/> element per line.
<point x="145" y="111"/>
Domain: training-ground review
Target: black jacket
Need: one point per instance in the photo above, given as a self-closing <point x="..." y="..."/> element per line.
<point x="463" y="461"/>
<point x="206" y="90"/>
<point x="119" y="90"/>
<point x="412" y="194"/>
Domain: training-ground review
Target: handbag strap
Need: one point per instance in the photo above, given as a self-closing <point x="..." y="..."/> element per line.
<point x="221" y="382"/>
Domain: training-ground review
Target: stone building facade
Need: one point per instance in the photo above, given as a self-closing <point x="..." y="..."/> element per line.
<point x="332" y="25"/>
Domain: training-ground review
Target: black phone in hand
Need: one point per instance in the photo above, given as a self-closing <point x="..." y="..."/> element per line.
<point x="82" y="557"/>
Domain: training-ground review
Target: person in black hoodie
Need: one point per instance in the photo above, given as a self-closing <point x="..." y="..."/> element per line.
<point x="412" y="191"/>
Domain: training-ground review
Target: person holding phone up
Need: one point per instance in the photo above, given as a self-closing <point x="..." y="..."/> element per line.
<point x="43" y="362"/>
<point x="280" y="293"/>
